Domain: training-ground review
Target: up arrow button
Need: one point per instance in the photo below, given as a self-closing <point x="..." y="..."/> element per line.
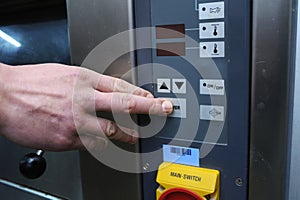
<point x="163" y="85"/>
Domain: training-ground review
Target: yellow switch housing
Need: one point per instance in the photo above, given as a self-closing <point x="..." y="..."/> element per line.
<point x="198" y="180"/>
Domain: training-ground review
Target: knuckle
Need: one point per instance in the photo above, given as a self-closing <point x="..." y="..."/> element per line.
<point x="73" y="75"/>
<point x="90" y="144"/>
<point x="66" y="135"/>
<point x="139" y="92"/>
<point x="129" y="103"/>
<point x="64" y="141"/>
<point x="82" y="74"/>
<point x="80" y="97"/>
<point x="118" y="84"/>
<point x="96" y="143"/>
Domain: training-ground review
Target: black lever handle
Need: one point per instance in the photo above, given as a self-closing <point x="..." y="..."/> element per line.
<point x="33" y="165"/>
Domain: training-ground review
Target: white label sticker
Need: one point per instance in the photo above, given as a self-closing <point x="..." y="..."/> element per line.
<point x="212" y="49"/>
<point x="213" y="10"/>
<point x="212" y="113"/>
<point x="211" y="30"/>
<point x="212" y="87"/>
<point x="181" y="155"/>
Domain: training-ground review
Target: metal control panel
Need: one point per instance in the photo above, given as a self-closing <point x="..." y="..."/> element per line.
<point x="200" y="61"/>
<point x="221" y="64"/>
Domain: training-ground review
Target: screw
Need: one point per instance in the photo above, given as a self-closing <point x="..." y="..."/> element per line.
<point x="239" y="182"/>
<point x="146" y="166"/>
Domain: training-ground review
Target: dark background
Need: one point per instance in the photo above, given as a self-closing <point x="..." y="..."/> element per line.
<point x="40" y="26"/>
<point x="16" y="11"/>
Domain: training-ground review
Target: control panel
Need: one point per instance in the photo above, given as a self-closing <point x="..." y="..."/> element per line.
<point x="200" y="61"/>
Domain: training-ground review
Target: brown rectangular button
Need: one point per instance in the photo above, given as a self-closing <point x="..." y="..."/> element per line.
<point x="170" y="49"/>
<point x="170" y="31"/>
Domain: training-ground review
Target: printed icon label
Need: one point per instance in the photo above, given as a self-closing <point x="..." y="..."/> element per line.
<point x="212" y="87"/>
<point x="179" y="108"/>
<point x="212" y="113"/>
<point x="179" y="86"/>
<point x="211" y="30"/>
<point x="163" y="85"/>
<point x="213" y="10"/>
<point x="212" y="49"/>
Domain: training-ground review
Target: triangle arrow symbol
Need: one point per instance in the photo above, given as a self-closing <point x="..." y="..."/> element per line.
<point x="179" y="84"/>
<point x="164" y="86"/>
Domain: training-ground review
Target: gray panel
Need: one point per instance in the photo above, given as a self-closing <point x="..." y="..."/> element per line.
<point x="90" y="23"/>
<point x="232" y="158"/>
<point x="270" y="98"/>
<point x="294" y="192"/>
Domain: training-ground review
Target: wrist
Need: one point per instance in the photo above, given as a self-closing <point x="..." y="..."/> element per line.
<point x="4" y="71"/>
<point x="3" y="75"/>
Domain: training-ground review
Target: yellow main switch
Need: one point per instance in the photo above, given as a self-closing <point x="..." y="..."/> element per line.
<point x="187" y="182"/>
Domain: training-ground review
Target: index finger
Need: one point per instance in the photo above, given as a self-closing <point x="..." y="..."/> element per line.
<point x="128" y="103"/>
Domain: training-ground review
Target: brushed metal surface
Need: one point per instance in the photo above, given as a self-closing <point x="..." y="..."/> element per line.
<point x="270" y="99"/>
<point x="294" y="184"/>
<point x="90" y="23"/>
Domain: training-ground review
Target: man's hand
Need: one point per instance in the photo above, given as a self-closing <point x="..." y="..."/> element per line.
<point x="46" y="106"/>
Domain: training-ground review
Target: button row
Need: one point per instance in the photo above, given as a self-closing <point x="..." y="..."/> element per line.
<point x="178" y="86"/>
<point x="212" y="30"/>
<point x="207" y="86"/>
<point x="207" y="112"/>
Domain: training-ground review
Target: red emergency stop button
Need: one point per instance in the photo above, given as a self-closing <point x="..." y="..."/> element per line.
<point x="179" y="194"/>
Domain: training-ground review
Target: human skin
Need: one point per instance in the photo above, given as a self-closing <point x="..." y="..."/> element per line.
<point x="46" y="106"/>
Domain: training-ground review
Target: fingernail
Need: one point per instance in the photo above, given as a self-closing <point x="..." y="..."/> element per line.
<point x="167" y="107"/>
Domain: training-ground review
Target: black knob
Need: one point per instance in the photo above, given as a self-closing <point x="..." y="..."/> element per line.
<point x="33" y="165"/>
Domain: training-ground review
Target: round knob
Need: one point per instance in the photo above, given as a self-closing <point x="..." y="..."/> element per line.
<point x="180" y="194"/>
<point x="33" y="165"/>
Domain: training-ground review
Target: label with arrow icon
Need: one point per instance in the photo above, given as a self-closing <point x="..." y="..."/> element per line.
<point x="212" y="113"/>
<point x="164" y="85"/>
<point x="179" y="86"/>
